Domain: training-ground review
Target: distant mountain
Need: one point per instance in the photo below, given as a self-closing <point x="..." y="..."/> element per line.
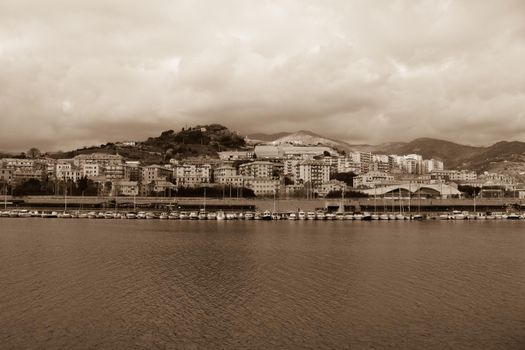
<point x="501" y="152"/>
<point x="267" y="137"/>
<point x="460" y="156"/>
<point x="451" y="153"/>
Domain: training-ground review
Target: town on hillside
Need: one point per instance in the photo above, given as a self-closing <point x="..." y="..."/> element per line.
<point x="291" y="169"/>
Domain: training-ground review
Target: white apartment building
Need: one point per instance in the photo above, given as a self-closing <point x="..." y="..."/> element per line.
<point x="430" y="165"/>
<point x="346" y="164"/>
<point x="90" y="170"/>
<point x="192" y="175"/>
<point x="263" y="186"/>
<point x="314" y="172"/>
<point x="67" y="171"/>
<point x="259" y="169"/>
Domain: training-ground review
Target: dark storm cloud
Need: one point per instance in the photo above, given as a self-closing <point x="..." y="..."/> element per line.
<point x="76" y="73"/>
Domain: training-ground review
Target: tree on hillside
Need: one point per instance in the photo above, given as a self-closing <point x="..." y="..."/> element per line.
<point x="33" y="153"/>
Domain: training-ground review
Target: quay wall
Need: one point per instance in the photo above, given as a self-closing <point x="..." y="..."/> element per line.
<point x="282" y="205"/>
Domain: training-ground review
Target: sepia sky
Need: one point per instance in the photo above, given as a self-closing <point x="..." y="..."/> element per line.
<point x="75" y="73"/>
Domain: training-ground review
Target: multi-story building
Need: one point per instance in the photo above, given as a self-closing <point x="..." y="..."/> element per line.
<point x="332" y="163"/>
<point x="18" y="164"/>
<point x="413" y="164"/>
<point x="263" y="186"/>
<point x="290" y="167"/>
<point x="6" y="175"/>
<point x="133" y="171"/>
<point x="224" y="171"/>
<point x="431" y="165"/>
<point x="102" y="159"/>
<point x="313" y="172"/>
<point x="67" y="171"/>
<point x="372" y="179"/>
<point x="331" y="186"/>
<point x="152" y="173"/>
<point x="346" y="164"/>
<point x="114" y="172"/>
<point x="454" y="175"/>
<point x="91" y="170"/>
<point x="192" y="174"/>
<point x="259" y="169"/>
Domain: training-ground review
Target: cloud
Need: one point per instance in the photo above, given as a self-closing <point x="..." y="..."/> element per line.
<point x="85" y="72"/>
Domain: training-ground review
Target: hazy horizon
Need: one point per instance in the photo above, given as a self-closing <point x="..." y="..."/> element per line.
<point x="83" y="73"/>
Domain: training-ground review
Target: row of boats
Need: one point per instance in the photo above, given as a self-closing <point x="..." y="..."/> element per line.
<point x="249" y="215"/>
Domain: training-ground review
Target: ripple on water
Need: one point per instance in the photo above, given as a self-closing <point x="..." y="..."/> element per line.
<point x="143" y="284"/>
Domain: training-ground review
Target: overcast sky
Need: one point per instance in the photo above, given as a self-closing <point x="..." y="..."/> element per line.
<point x="75" y="73"/>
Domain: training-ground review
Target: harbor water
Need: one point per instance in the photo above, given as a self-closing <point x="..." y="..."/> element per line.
<point x="153" y="284"/>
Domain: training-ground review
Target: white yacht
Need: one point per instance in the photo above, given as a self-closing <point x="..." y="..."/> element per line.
<point x="220" y="215"/>
<point x="310" y="215"/>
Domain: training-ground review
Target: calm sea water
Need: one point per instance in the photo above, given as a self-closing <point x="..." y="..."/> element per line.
<point x="78" y="284"/>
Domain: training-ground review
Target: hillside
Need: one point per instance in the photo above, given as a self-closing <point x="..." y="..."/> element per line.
<point x="501" y="152"/>
<point x="201" y="140"/>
